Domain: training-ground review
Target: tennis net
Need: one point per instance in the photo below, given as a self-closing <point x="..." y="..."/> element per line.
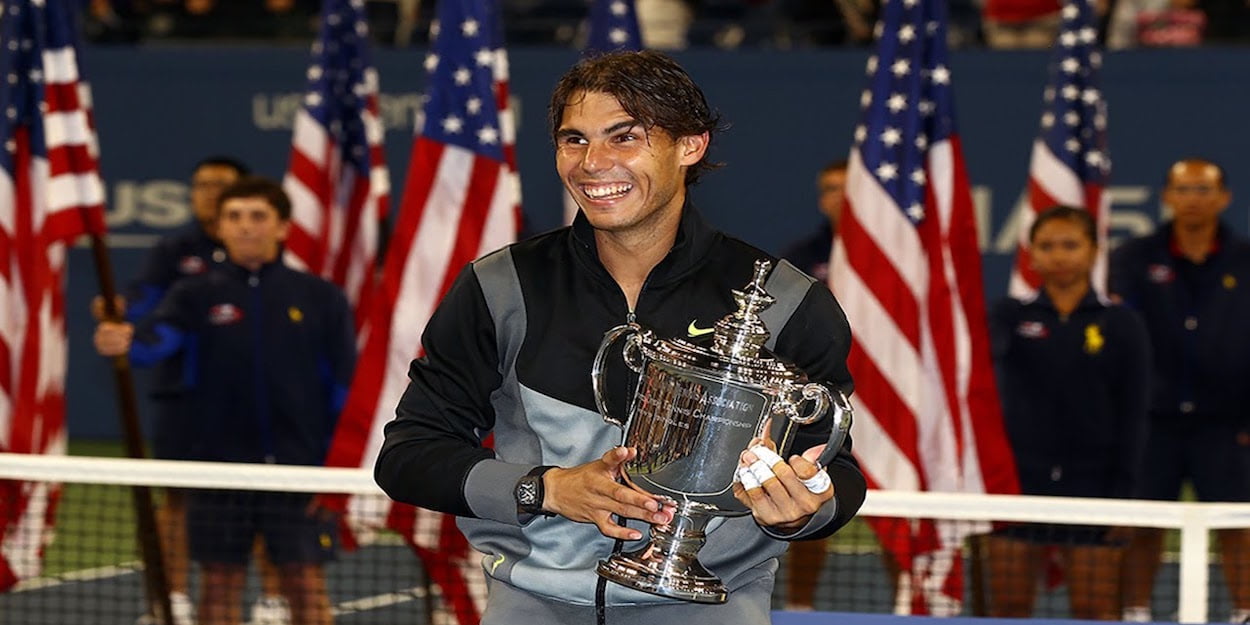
<point x="92" y="570"/>
<point x="969" y="548"/>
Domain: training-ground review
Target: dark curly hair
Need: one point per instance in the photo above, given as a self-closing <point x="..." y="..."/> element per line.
<point x="651" y="87"/>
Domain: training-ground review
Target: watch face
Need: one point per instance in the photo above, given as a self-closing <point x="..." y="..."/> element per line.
<point x="527" y="492"/>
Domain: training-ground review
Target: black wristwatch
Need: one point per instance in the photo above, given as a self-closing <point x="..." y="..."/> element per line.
<point x="529" y="492"/>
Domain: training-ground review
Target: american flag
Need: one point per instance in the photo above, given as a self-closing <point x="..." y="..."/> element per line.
<point x="613" y="26"/>
<point x="50" y="193"/>
<point x="1070" y="163"/>
<point x="462" y="200"/>
<point x="908" y="274"/>
<point x="337" y="177"/>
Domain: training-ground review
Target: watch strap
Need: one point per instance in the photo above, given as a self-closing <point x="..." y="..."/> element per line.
<point x="534" y="480"/>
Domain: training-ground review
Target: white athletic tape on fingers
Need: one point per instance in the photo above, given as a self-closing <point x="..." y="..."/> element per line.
<point x="767" y="455"/>
<point x="747" y="478"/>
<point x="761" y="471"/>
<point x="818" y="483"/>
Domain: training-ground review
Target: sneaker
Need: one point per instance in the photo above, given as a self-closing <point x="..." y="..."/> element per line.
<point x="180" y="604"/>
<point x="184" y="611"/>
<point x="1137" y="614"/>
<point x="271" y="610"/>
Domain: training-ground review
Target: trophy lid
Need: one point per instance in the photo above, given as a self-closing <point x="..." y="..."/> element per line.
<point x="738" y="343"/>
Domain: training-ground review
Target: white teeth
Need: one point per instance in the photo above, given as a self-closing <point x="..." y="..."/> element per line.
<point x="607" y="190"/>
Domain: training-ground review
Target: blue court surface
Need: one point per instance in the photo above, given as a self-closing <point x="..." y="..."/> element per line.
<point x="851" y="618"/>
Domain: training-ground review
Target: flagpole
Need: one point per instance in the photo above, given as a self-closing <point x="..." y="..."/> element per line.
<point x="155" y="578"/>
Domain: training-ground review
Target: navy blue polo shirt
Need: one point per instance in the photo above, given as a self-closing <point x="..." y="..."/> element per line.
<point x="267" y="358"/>
<point x="811" y="253"/>
<point x="1074" y="393"/>
<point x="1198" y="316"/>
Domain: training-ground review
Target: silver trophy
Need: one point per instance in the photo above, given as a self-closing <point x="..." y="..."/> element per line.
<point x="695" y="410"/>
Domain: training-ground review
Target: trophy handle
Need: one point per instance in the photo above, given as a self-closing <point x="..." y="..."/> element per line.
<point x="822" y="400"/>
<point x="842" y="413"/>
<point x="598" y="371"/>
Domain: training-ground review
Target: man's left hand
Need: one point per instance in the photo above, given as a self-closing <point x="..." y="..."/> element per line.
<point x="775" y="490"/>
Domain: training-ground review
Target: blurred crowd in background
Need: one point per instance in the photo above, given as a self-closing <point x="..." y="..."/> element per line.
<point x="676" y="24"/>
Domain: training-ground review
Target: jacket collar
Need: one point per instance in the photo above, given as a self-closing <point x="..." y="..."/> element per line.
<point x="202" y="234"/>
<point x="1091" y="300"/>
<point x="241" y="272"/>
<point x="1165" y="239"/>
<point x="695" y="238"/>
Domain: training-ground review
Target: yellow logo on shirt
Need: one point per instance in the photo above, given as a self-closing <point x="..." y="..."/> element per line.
<point x="295" y="314"/>
<point x="1093" y="339"/>
<point x="1230" y="281"/>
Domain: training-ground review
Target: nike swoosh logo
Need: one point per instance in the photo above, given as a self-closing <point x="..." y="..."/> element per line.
<point x="694" y="331"/>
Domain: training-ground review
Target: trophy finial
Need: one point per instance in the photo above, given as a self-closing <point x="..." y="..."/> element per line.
<point x="761" y="273"/>
<point x="741" y="334"/>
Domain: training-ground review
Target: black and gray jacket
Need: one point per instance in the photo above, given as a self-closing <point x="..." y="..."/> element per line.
<point x="509" y="352"/>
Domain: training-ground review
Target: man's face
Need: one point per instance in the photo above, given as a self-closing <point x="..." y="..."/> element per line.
<point x="1196" y="194"/>
<point x="207" y="183"/>
<point x="832" y="188"/>
<point x="624" y="177"/>
<point x="251" y="230"/>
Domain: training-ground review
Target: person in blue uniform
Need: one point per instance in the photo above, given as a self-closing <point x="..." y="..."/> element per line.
<point x="189" y="251"/>
<point x="805" y="559"/>
<point x="811" y="253"/>
<point x="267" y="356"/>
<point x="1073" y="373"/>
<point x="1190" y="280"/>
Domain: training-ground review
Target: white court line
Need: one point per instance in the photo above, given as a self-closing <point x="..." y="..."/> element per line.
<point x="361" y="604"/>
<point x="84" y="575"/>
<point x="379" y="601"/>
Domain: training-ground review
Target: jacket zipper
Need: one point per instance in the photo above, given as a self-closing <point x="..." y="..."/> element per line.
<point x="258" y="362"/>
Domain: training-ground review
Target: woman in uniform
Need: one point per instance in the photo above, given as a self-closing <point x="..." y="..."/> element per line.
<point x="1073" y="373"/>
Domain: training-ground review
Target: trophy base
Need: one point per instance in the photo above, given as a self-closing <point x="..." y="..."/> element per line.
<point x="687" y="581"/>
<point x="668" y="565"/>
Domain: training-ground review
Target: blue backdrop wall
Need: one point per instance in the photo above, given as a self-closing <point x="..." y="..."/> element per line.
<point x="159" y="110"/>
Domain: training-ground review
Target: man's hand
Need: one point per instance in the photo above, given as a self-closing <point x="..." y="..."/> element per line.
<point x="113" y="338"/>
<point x="97" y="307"/>
<point x="775" y="490"/>
<point x="590" y="493"/>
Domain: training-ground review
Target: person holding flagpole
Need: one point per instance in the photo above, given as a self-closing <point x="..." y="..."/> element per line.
<point x="190" y="251"/>
<point x="510" y="348"/>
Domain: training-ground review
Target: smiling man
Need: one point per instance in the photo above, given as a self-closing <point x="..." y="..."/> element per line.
<point x="510" y="349"/>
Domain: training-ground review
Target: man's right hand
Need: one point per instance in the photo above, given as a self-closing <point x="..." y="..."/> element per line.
<point x="590" y="493"/>
<point x="97" y="307"/>
<point x="113" y="338"/>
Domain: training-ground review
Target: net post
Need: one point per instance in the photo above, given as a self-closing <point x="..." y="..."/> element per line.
<point x="1194" y="569"/>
